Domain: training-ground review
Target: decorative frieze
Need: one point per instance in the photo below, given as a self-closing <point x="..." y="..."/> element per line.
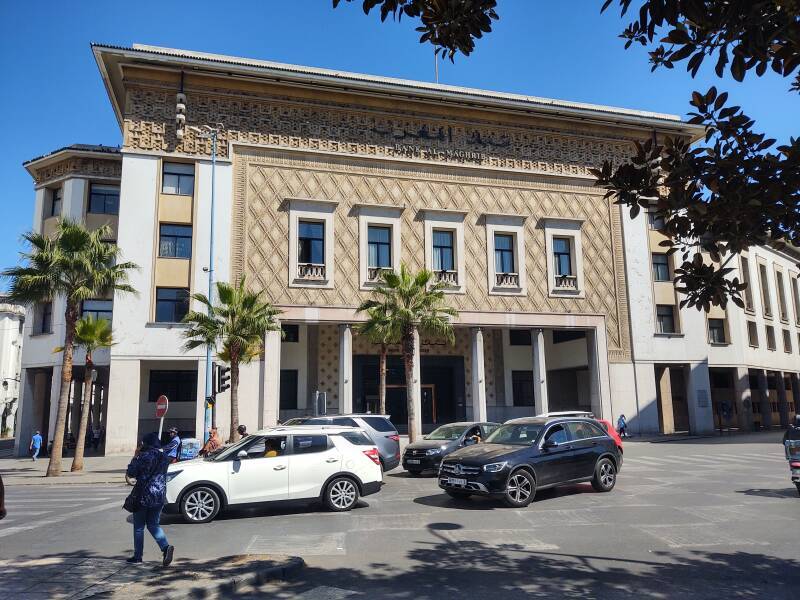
<point x="78" y="166"/>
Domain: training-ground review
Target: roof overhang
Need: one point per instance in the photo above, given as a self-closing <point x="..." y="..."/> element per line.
<point x="69" y="152"/>
<point x="110" y="60"/>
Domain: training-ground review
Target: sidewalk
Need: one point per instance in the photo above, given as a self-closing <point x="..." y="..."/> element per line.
<point x="77" y="577"/>
<point x="96" y="469"/>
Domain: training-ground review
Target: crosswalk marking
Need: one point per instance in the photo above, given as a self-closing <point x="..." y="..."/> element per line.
<point x="63" y="517"/>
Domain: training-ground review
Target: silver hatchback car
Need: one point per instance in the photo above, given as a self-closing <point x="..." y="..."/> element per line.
<point x="378" y="427"/>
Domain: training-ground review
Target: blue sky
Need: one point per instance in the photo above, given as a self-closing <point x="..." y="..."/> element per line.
<point x="51" y="93"/>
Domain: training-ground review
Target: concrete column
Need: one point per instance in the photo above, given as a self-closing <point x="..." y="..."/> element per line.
<point x="345" y="369"/>
<point x="593" y="356"/>
<point x="25" y="412"/>
<point x="272" y="379"/>
<point x="665" y="400"/>
<point x="539" y="371"/>
<point x="783" y="405"/>
<point x="742" y="396"/>
<point x="478" y="376"/>
<point x="763" y="397"/>
<point x="701" y="411"/>
<point x="413" y="388"/>
<point x="122" y="406"/>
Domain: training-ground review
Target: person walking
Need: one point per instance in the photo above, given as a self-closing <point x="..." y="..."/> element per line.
<point x="36" y="444"/>
<point x="173" y="447"/>
<point x="149" y="467"/>
<point x="622" y="426"/>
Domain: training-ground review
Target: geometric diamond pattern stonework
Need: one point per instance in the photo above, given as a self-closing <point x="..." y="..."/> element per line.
<point x="264" y="180"/>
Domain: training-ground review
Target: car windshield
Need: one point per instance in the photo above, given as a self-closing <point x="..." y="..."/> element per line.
<point x="446" y="432"/>
<point x="522" y="434"/>
<point x="230" y="451"/>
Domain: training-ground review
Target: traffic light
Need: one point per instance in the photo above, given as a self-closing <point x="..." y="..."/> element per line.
<point x="223" y="379"/>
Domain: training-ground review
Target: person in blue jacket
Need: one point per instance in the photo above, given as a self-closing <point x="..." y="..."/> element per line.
<point x="149" y="467"/>
<point x="173" y="447"/>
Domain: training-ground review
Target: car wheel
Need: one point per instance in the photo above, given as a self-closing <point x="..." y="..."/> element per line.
<point x="341" y="494"/>
<point x="605" y="475"/>
<point x="457" y="495"/>
<point x="520" y="489"/>
<point x="200" y="504"/>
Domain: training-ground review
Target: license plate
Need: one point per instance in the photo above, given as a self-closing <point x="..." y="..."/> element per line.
<point x="413" y="461"/>
<point x="453" y="481"/>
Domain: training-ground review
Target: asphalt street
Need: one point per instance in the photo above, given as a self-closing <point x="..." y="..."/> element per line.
<point x="703" y="518"/>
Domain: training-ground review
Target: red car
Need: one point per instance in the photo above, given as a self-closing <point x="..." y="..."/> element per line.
<point x="604" y="423"/>
<point x="613" y="434"/>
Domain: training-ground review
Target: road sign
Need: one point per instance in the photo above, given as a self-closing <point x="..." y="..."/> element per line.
<point x="162" y="404"/>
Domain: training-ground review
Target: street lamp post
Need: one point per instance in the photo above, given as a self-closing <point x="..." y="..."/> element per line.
<point x="211" y="133"/>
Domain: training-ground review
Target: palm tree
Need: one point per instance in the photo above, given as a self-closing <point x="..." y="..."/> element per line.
<point x="91" y="334"/>
<point x="238" y="323"/>
<point x="411" y="304"/>
<point x="380" y="329"/>
<point x="76" y="264"/>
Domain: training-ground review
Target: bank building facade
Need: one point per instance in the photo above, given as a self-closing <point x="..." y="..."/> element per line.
<point x="325" y="179"/>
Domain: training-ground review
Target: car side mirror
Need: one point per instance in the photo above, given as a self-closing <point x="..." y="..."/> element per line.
<point x="550" y="444"/>
<point x="242" y="454"/>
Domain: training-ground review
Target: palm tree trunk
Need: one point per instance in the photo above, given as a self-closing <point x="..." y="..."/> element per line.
<point x="77" y="461"/>
<point x="70" y="318"/>
<point x="408" y="359"/>
<point x="382" y="383"/>
<point x="234" y="397"/>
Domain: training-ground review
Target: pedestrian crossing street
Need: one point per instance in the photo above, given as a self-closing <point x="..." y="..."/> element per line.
<point x="705" y="460"/>
<point x="34" y="506"/>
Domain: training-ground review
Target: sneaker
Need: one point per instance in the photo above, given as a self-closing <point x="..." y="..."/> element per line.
<point x="168" y="555"/>
<point x="133" y="559"/>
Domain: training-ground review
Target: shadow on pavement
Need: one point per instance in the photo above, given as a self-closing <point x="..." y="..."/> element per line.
<point x="771" y="493"/>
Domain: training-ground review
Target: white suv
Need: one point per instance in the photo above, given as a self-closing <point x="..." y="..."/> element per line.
<point x="333" y="464"/>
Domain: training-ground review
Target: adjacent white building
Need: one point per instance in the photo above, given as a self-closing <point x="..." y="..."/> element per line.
<point x="12" y="319"/>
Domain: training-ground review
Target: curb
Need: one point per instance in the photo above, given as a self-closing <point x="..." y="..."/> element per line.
<point x="290" y="568"/>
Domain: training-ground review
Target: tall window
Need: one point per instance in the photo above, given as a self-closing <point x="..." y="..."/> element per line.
<point x="771" y="338"/>
<point x="178" y="386"/>
<point x="665" y="318"/>
<point x="522" y="388"/>
<point x="55" y="202"/>
<point x="504" y="253"/>
<point x="443" y="255"/>
<point x="784" y="314"/>
<point x="172" y="304"/>
<point x="752" y="334"/>
<point x="562" y="256"/>
<point x="745" y="278"/>
<point x="716" y="331"/>
<point x="764" y="283"/>
<point x="99" y="309"/>
<point x="104" y="199"/>
<point x="45" y="318"/>
<point x="178" y="179"/>
<point x="796" y="299"/>
<point x="311" y="243"/>
<point x="379" y="247"/>
<point x="787" y="340"/>
<point x="175" y="241"/>
<point x="654" y="220"/>
<point x="288" y="387"/>
<point x="661" y="267"/>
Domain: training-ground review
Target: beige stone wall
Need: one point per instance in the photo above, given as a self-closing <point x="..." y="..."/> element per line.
<point x="78" y="167"/>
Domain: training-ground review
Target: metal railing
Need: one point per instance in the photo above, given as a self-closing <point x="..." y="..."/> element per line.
<point x="507" y="279"/>
<point x="310" y="271"/>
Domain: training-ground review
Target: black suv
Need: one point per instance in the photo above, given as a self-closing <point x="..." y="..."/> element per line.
<point x="527" y="454"/>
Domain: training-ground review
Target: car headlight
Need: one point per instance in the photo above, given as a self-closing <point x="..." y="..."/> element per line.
<point x="495" y="467"/>
<point x="433" y="451"/>
<point x="173" y="474"/>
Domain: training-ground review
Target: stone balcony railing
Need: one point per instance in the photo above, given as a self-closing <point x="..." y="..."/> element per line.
<point x="311" y="271"/>
<point x="567" y="283"/>
<point x="446" y="277"/>
<point x="375" y="274"/>
<point x="510" y="280"/>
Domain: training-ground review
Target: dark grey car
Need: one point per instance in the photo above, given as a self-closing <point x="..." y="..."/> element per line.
<point x="378" y="427"/>
<point x="427" y="453"/>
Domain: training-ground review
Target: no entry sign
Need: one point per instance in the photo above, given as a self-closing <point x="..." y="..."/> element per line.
<point x="162" y="404"/>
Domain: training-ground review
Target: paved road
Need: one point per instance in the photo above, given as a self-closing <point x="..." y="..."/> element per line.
<point x="702" y="518"/>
